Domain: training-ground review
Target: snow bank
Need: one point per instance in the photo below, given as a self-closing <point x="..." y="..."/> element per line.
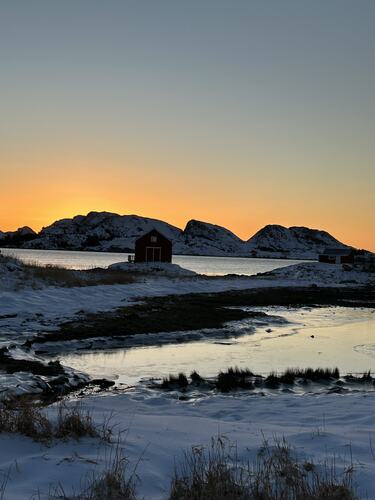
<point x="320" y="274"/>
<point x="12" y="274"/>
<point x="321" y="428"/>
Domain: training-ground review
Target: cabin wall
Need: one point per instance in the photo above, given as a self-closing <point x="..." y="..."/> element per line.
<point x="147" y="250"/>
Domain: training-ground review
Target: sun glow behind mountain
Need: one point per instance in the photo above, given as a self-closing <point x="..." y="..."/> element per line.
<point x="240" y="115"/>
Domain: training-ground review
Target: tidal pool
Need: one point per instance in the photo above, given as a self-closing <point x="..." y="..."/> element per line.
<point x="316" y="337"/>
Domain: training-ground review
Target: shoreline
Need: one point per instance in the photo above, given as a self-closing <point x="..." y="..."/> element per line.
<point x="197" y="311"/>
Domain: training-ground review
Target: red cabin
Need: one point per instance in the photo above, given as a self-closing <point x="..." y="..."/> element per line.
<point x="153" y="247"/>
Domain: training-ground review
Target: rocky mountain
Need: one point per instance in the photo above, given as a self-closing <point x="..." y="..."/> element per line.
<point x="105" y="231"/>
<point x="100" y="231"/>
<point x="202" y="238"/>
<point x="293" y="242"/>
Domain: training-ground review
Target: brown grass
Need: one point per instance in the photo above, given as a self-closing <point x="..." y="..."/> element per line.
<point x="60" y="276"/>
<point x="55" y="275"/>
<point x="114" y="483"/>
<point x="28" y="419"/>
<point x="74" y="422"/>
<point x="216" y="473"/>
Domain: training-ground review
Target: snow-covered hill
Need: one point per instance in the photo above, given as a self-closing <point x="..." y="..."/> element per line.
<point x="101" y="231"/>
<point x="202" y="238"/>
<point x="293" y="242"/>
<point x="105" y="231"/>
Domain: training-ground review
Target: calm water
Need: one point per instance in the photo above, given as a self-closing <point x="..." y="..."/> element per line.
<point x="201" y="265"/>
<point x="342" y="337"/>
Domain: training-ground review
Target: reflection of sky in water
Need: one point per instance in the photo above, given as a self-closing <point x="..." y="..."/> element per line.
<point x="336" y="334"/>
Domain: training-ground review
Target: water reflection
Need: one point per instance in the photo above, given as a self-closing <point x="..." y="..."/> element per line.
<point x="321" y="337"/>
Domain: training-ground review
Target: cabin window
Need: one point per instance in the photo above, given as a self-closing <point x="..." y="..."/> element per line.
<point x="154" y="239"/>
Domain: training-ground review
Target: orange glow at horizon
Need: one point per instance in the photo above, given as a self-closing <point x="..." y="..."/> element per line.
<point x="41" y="188"/>
<point x="36" y="202"/>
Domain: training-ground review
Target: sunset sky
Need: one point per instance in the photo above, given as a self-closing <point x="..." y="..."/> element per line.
<point x="240" y="113"/>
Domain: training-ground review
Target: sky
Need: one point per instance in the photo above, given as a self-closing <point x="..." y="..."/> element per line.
<point x="240" y="113"/>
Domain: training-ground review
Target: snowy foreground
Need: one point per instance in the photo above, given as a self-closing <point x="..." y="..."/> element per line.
<point x="159" y="428"/>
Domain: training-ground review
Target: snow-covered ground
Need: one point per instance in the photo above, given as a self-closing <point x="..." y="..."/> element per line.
<point x="26" y="310"/>
<point x="321" y="274"/>
<point x="159" y="428"/>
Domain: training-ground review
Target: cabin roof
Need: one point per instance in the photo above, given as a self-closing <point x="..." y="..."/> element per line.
<point x="153" y="230"/>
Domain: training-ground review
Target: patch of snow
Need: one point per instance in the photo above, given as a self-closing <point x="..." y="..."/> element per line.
<point x="322" y="274"/>
<point x="12" y="274"/>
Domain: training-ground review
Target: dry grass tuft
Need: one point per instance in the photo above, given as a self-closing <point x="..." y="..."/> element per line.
<point x="234" y="378"/>
<point x="114" y="483"/>
<point x="290" y="376"/>
<point x="60" y="276"/>
<point x="26" y="419"/>
<point x="73" y="422"/>
<point x="216" y="473"/>
<point x="173" y="382"/>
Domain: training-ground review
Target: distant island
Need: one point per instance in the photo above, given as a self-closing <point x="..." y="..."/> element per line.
<point x="110" y="232"/>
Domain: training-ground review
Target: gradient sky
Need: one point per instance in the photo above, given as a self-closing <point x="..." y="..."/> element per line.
<point x="240" y="113"/>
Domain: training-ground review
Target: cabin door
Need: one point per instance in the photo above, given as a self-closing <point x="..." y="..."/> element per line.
<point x="153" y="254"/>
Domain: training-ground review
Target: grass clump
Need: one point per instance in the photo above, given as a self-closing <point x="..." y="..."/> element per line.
<point x="114" y="483"/>
<point x="217" y="473"/>
<point x="72" y="422"/>
<point x="173" y="382"/>
<point x="239" y="378"/>
<point x="290" y="375"/>
<point x="26" y="419"/>
<point x="315" y="375"/>
<point x="365" y="378"/>
<point x="196" y="378"/>
<point x="234" y="378"/>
